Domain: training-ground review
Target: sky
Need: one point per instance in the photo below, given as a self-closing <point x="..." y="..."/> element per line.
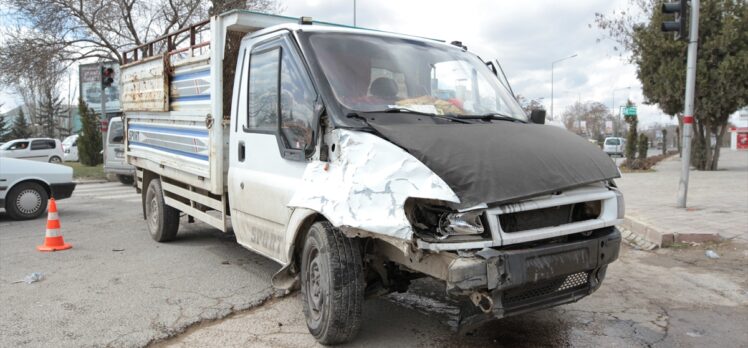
<point x="525" y="36"/>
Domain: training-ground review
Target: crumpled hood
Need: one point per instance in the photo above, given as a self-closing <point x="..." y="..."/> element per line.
<point x="502" y="161"/>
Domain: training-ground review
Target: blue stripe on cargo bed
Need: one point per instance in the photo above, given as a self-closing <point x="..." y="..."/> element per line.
<point x="191" y="75"/>
<point x="173" y="151"/>
<point x="191" y="97"/>
<point x="172" y="131"/>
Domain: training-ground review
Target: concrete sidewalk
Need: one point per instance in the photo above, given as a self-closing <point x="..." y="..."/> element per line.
<point x="717" y="202"/>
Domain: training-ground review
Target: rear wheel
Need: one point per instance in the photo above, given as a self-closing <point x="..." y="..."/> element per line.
<point x="163" y="220"/>
<point x="332" y="285"/>
<point x="125" y="179"/>
<point x="55" y="159"/>
<point x="26" y="200"/>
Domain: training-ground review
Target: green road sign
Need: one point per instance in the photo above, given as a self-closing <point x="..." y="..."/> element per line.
<point x="629" y="111"/>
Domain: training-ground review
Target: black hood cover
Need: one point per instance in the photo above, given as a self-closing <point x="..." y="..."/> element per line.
<point x="502" y="161"/>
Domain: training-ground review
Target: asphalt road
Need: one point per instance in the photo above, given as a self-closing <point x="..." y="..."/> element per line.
<point x="668" y="298"/>
<point x="118" y="288"/>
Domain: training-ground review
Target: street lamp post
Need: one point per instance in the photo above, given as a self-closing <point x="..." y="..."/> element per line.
<point x="553" y="64"/>
<point x="613" y="106"/>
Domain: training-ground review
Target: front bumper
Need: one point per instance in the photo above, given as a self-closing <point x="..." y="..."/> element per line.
<point x="62" y="191"/>
<point x="515" y="281"/>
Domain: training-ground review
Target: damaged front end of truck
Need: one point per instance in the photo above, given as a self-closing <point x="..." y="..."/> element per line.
<point x="544" y="238"/>
<point x="536" y="232"/>
<point x="457" y="184"/>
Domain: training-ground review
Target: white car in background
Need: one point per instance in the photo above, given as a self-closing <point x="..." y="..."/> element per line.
<point x="70" y="148"/>
<point x="25" y="186"/>
<point x="614" y="146"/>
<point x="36" y="149"/>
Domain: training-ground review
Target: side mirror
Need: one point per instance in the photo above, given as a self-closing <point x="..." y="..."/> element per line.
<point x="537" y="116"/>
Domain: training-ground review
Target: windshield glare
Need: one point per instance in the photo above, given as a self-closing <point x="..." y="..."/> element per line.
<point x="375" y="73"/>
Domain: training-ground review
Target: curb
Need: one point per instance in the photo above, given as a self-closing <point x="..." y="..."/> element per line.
<point x="84" y="182"/>
<point x="664" y="239"/>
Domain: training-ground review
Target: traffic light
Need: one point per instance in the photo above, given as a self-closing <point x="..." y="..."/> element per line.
<point x="680" y="10"/>
<point x="107" y="77"/>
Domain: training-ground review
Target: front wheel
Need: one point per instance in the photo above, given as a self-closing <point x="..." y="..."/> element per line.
<point x="332" y="285"/>
<point x="25" y="201"/>
<point x="163" y="220"/>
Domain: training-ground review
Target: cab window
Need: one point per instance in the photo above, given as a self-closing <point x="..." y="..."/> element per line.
<point x="262" y="112"/>
<point x="296" y="103"/>
<point x="116" y="133"/>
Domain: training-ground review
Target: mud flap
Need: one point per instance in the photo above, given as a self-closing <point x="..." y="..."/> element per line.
<point x="286" y="280"/>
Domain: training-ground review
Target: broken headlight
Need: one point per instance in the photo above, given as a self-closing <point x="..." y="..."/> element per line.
<point x="439" y="222"/>
<point x="460" y="224"/>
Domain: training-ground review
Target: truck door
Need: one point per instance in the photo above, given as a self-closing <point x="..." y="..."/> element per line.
<point x="271" y="137"/>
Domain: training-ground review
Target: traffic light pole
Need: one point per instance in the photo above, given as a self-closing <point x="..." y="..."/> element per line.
<point x="693" y="39"/>
<point x="103" y="115"/>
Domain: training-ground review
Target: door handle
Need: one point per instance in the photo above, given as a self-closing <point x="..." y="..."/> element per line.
<point x="241" y="151"/>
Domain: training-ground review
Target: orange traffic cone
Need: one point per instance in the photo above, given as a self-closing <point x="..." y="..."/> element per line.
<point x="53" y="239"/>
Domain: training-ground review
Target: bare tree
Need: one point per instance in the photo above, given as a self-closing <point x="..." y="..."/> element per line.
<point x="49" y="36"/>
<point x="589" y="119"/>
<point x="80" y="29"/>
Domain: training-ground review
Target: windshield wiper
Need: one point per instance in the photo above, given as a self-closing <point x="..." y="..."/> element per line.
<point x="492" y="116"/>
<point x="409" y="111"/>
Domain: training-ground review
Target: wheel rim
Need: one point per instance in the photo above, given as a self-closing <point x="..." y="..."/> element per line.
<point x="153" y="214"/>
<point x="29" y="201"/>
<point x="315" y="295"/>
<point x="55" y="160"/>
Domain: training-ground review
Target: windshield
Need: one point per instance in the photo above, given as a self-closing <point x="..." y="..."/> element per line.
<point x="69" y="140"/>
<point x="116" y="133"/>
<point x="375" y="73"/>
<point x="12" y="145"/>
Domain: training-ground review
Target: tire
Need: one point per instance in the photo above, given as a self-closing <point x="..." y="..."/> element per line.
<point x="55" y="160"/>
<point x="25" y="201"/>
<point x="162" y="220"/>
<point x="332" y="284"/>
<point x="125" y="179"/>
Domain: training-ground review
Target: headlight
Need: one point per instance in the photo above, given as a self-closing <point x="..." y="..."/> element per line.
<point x="460" y="224"/>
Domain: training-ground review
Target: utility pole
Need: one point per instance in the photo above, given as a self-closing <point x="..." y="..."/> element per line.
<point x="679" y="26"/>
<point x="553" y="64"/>
<point x="354" y="13"/>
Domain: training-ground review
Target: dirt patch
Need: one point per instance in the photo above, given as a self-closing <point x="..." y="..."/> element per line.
<point x="644" y="165"/>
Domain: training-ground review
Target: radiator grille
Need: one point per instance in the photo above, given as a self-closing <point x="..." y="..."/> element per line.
<point x="548" y="217"/>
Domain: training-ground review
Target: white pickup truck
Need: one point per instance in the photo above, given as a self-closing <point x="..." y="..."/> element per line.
<point x="360" y="160"/>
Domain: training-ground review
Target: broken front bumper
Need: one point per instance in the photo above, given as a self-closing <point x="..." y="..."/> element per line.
<point x="508" y="282"/>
